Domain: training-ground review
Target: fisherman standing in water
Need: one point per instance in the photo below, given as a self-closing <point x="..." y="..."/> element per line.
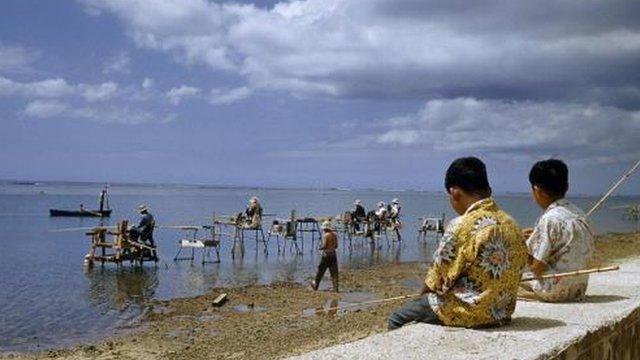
<point x="103" y="198"/>
<point x="329" y="258"/>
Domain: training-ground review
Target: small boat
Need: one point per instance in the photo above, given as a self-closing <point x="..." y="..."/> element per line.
<point x="80" y="213"/>
<point x="104" y="211"/>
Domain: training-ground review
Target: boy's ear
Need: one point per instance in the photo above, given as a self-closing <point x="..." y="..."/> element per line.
<point x="538" y="190"/>
<point x="455" y="193"/>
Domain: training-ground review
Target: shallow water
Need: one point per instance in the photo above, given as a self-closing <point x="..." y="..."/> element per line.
<point x="49" y="299"/>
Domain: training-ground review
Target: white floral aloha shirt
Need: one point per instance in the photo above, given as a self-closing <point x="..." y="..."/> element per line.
<point x="477" y="268"/>
<point x="562" y="239"/>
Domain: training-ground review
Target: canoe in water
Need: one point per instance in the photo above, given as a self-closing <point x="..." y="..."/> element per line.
<point x="78" y="213"/>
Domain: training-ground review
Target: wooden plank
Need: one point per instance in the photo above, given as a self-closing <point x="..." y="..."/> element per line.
<point x="220" y="300"/>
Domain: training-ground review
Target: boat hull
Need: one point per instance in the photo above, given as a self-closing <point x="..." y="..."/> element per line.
<point x="77" y="213"/>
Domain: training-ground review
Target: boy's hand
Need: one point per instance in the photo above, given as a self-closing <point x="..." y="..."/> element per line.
<point x="527" y="232"/>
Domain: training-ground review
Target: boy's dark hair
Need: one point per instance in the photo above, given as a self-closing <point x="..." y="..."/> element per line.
<point x="469" y="174"/>
<point x="551" y="175"/>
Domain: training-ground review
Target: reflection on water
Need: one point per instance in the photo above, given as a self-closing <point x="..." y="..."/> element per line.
<point x="121" y="288"/>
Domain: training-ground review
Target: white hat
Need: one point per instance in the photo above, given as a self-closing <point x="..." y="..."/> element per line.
<point x="326" y="225"/>
<point x="142" y="208"/>
<point x="381" y="204"/>
<point x="357" y="202"/>
<point x="395" y="201"/>
<point x="254" y="199"/>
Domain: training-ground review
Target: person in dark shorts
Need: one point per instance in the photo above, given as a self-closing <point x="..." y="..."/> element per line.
<point x="329" y="259"/>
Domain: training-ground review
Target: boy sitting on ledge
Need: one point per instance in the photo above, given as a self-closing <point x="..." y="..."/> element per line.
<point x="478" y="264"/>
<point x="562" y="239"/>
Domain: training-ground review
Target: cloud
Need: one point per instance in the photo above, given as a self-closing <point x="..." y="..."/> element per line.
<point x="45" y="109"/>
<point x="176" y="95"/>
<point x="228" y="96"/>
<point x="99" y="92"/>
<point x="574" y="50"/>
<point x="147" y="84"/>
<point x="15" y="58"/>
<point x="49" y="88"/>
<point x="512" y="128"/>
<point x="57" y="88"/>
<point x="120" y="63"/>
<point x="103" y="103"/>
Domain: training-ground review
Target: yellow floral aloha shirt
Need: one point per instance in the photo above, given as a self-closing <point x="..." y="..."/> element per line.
<point x="477" y="268"/>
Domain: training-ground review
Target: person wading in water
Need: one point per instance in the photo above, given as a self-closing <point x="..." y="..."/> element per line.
<point x="329" y="259"/>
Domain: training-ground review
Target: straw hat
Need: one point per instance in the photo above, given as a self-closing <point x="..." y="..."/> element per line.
<point x="143" y="208"/>
<point x="326" y="225"/>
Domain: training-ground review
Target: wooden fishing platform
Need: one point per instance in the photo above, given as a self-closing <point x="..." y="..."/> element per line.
<point x="119" y="248"/>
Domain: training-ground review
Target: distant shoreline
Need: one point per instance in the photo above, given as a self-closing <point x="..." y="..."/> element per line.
<point x="38" y="183"/>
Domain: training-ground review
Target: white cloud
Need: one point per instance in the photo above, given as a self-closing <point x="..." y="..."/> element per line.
<point x="176" y="95"/>
<point x="45" y="109"/>
<point x="57" y="88"/>
<point x="49" y="88"/>
<point x="400" y="48"/>
<point x="99" y="92"/>
<point x="228" y="96"/>
<point x="147" y="84"/>
<point x="120" y="63"/>
<point x="527" y="128"/>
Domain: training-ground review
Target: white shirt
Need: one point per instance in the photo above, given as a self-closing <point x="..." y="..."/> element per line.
<point x="395" y="210"/>
<point x="562" y="239"/>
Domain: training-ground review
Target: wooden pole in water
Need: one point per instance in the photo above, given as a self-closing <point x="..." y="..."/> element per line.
<point x="613" y="188"/>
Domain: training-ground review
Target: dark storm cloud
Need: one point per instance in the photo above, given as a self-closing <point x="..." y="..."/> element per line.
<point x="544" y="50"/>
<point x="511" y="77"/>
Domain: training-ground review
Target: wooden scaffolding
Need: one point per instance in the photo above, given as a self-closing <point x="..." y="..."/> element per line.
<point x="119" y="248"/>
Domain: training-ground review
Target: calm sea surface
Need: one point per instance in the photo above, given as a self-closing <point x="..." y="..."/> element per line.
<point x="49" y="299"/>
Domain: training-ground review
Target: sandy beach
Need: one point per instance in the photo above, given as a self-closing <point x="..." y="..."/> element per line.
<point x="278" y="320"/>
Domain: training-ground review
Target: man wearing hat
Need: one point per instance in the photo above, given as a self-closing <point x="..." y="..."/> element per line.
<point x="253" y="214"/>
<point x="394" y="216"/>
<point x="329" y="259"/>
<point x="144" y="231"/>
<point x="358" y="215"/>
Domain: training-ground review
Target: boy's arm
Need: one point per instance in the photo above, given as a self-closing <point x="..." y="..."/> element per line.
<point x="450" y="260"/>
<point x="541" y="243"/>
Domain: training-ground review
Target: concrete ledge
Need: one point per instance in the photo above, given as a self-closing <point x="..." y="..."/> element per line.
<point x="605" y="326"/>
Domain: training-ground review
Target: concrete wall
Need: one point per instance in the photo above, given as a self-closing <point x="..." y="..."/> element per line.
<point x="619" y="341"/>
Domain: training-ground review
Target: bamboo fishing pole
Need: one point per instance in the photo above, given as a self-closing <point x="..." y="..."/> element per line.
<point x="529" y="278"/>
<point x="613" y="188"/>
<point x="571" y="273"/>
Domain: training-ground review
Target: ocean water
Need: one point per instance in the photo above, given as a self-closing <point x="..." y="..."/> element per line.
<point x="49" y="299"/>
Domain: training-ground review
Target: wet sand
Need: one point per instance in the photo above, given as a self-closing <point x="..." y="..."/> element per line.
<point x="282" y="319"/>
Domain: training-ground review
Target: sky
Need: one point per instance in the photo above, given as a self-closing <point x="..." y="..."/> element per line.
<point x="318" y="93"/>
